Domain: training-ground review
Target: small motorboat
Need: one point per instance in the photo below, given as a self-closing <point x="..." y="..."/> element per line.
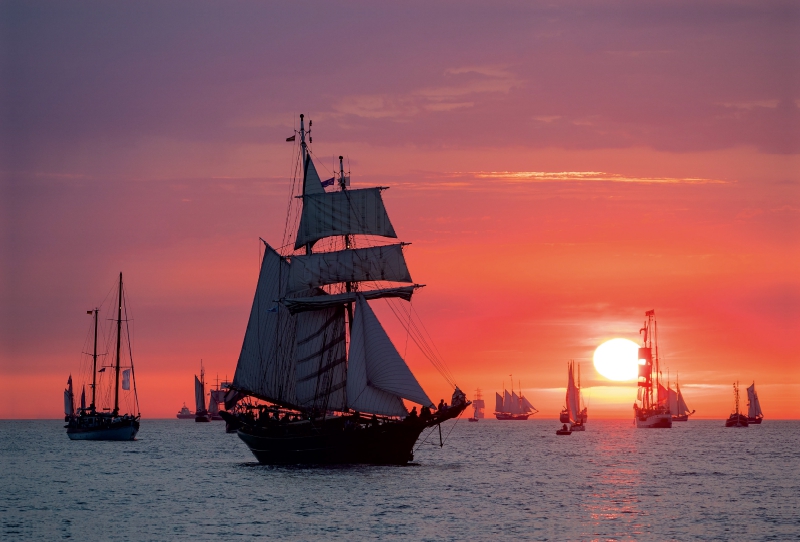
<point x="472" y="419"/>
<point x="564" y="430"/>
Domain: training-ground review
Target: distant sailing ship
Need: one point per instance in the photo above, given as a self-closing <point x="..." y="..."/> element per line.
<point x="185" y="414"/>
<point x="215" y="398"/>
<point x="478" y="405"/>
<point x="511" y="406"/>
<point x="754" y="414"/>
<point x="677" y="405"/>
<point x="94" y="422"/>
<point x="575" y="416"/>
<point x="649" y="413"/>
<point x="320" y="357"/>
<point x="736" y="419"/>
<point x="201" y="413"/>
<point x="579" y="416"/>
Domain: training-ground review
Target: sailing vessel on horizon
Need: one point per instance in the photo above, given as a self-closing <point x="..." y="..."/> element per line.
<point x="736" y="419"/>
<point x="478" y="405"/>
<point x="677" y="405"/>
<point x="511" y="406"/>
<point x="185" y="414"/>
<point x="201" y="412"/>
<point x="649" y="412"/>
<point x="578" y="416"/>
<point x="315" y="351"/>
<point x="754" y="414"/>
<point x="104" y="423"/>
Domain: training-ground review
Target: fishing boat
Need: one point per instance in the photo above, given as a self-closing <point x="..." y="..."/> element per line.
<point x="677" y="405"/>
<point x="578" y="416"/>
<point x="106" y="423"/>
<point x="572" y="400"/>
<point x="201" y="413"/>
<point x="754" y="414"/>
<point x="511" y="406"/>
<point x="315" y="352"/>
<point x="478" y="405"/>
<point x="649" y="412"/>
<point x="736" y="419"/>
<point x="185" y="414"/>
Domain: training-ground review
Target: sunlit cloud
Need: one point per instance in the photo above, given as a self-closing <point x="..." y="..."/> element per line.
<point x="581" y="176"/>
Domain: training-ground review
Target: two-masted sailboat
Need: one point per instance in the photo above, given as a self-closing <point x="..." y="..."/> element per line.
<point x="315" y="350"/>
<point x="676" y="403"/>
<point x="754" y="414"/>
<point x="106" y="423"/>
<point x="649" y="413"/>
<point x="572" y="413"/>
<point x="736" y="419"/>
<point x="511" y="406"/>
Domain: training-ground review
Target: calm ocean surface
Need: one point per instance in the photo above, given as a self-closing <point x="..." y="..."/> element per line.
<point x="492" y="480"/>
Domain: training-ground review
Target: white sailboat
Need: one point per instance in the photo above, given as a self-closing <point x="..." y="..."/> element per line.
<point x="573" y="400"/>
<point x="581" y="413"/>
<point x="754" y="414"/>
<point x="677" y="405"/>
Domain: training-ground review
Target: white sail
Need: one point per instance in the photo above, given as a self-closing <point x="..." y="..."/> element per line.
<point x="266" y="362"/>
<point x="374" y="263"/>
<point x="346" y="212"/>
<point x="753" y="405"/>
<point x="320" y="370"/>
<point x="506" y="401"/>
<point x="69" y="410"/>
<point x="526" y="405"/>
<point x="682" y="408"/>
<point x="319" y="302"/>
<point x="573" y="406"/>
<point x="498" y="402"/>
<point x="312" y="183"/>
<point x="377" y="377"/>
<point x="672" y="402"/>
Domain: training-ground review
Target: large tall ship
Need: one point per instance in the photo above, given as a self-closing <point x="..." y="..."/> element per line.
<point x="648" y="412"/>
<point x="511" y="406"/>
<point x="736" y="419"/>
<point x="580" y="413"/>
<point x="315" y="352"/>
<point x="97" y="422"/>
<point x="754" y="414"/>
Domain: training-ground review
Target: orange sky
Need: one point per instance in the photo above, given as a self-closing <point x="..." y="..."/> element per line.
<point x="559" y="171"/>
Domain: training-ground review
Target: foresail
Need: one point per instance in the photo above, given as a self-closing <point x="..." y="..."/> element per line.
<point x="673" y="402"/>
<point x="375" y="365"/>
<point x="346" y="212"/>
<point x="315" y="303"/>
<point x="498" y="402"/>
<point x="527" y="406"/>
<point x="573" y="405"/>
<point x="682" y="408"/>
<point x="374" y="263"/>
<point x="506" y="401"/>
<point x="266" y="362"/>
<point x="515" y="406"/>
<point x="320" y="368"/>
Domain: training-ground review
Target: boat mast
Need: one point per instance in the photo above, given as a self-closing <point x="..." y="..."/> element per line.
<point x="348" y="286"/>
<point x="304" y="151"/>
<point x="94" y="362"/>
<point x="119" y="340"/>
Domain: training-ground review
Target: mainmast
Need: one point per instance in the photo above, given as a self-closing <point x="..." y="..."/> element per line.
<point x="119" y="340"/>
<point x="348" y="286"/>
<point x="304" y="150"/>
<point x="94" y="362"/>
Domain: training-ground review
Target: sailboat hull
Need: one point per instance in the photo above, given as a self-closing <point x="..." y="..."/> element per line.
<point x="653" y="421"/>
<point x="507" y="416"/>
<point x="122" y="430"/>
<point x="682" y="418"/>
<point x="756" y="421"/>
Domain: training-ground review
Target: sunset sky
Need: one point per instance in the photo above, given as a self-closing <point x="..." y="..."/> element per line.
<point x="560" y="168"/>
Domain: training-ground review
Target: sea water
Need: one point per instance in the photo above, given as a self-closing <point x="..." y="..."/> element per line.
<point x="513" y="480"/>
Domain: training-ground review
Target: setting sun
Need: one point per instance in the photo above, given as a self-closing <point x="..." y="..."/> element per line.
<point x="616" y="359"/>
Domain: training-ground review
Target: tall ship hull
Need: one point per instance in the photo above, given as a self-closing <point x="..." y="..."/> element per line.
<point x="322" y="379"/>
<point x="505" y="416"/>
<point x="737" y="419"/>
<point x="653" y="420"/>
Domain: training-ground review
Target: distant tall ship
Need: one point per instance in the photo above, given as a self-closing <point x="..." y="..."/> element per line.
<point x="578" y="416"/>
<point x="201" y="413"/>
<point x="649" y="413"/>
<point x="315" y="351"/>
<point x="511" y="406"/>
<point x="106" y="423"/>
<point x="477" y="405"/>
<point x="754" y="414"/>
<point x="736" y="419"/>
<point x="575" y="416"/>
<point x="215" y="398"/>
<point x="677" y="405"/>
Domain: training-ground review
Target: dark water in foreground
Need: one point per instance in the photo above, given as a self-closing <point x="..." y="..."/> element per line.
<point x="492" y="480"/>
